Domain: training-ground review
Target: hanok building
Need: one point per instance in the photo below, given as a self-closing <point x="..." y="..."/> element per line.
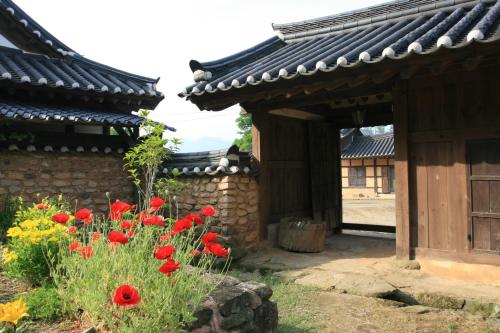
<point x="65" y="120"/>
<point x="367" y="166"/>
<point x="431" y="68"/>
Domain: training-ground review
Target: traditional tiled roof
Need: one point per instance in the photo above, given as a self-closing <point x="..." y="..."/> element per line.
<point x="211" y="163"/>
<point x="370" y="147"/>
<point x="389" y="32"/>
<point x="42" y="61"/>
<point x="28" y="111"/>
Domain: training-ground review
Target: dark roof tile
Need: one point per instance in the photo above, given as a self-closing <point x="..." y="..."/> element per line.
<point x="370" y="147"/>
<point x="26" y="111"/>
<point x="395" y="30"/>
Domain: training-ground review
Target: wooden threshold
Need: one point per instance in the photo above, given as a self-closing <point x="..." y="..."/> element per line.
<point x="368" y="227"/>
<point x="473" y="257"/>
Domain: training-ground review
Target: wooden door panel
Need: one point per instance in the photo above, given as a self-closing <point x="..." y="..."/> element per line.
<point x="480" y="196"/>
<point x="484" y="166"/>
<point x="495" y="234"/>
<point x="482" y="233"/>
<point x="495" y="197"/>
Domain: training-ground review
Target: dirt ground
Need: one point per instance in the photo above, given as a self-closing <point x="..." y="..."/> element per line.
<point x="379" y="212"/>
<point x="354" y="275"/>
<point x="344" y="313"/>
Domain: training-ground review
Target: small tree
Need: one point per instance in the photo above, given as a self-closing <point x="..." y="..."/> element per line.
<point x="244" y="122"/>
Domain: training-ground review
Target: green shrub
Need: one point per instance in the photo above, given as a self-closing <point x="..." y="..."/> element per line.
<point x="8" y="210"/>
<point x="44" y="304"/>
<point x="33" y="243"/>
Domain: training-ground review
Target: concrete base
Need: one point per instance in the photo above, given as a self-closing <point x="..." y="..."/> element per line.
<point x="468" y="272"/>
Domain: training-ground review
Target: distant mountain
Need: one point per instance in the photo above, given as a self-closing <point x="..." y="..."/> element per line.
<point x="204" y="144"/>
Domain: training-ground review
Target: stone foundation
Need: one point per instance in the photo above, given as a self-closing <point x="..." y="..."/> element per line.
<point x="82" y="176"/>
<point x="235" y="198"/>
<point x="236" y="306"/>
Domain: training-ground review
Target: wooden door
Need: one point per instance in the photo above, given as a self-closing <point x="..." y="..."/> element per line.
<point x="484" y="172"/>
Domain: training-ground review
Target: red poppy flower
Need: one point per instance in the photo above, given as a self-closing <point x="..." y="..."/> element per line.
<point x="117" y="237"/>
<point x="142" y="215"/>
<point x="130" y="233"/>
<point x="181" y="225"/>
<point x="86" y="251"/>
<point x="208" y="211"/>
<point x="61" y="218"/>
<point x="127" y="224"/>
<point x="85" y="215"/>
<point x="209" y="237"/>
<point x="216" y="249"/>
<point x="126" y="295"/>
<point x="154" y="220"/>
<point x="117" y="209"/>
<point x="196" y="253"/>
<point x="169" y="266"/>
<point x="72" y="230"/>
<point x="74" y="246"/>
<point x="195" y="218"/>
<point x="95" y="236"/>
<point x="165" y="237"/>
<point x="164" y="252"/>
<point x="41" y="206"/>
<point x="157" y="202"/>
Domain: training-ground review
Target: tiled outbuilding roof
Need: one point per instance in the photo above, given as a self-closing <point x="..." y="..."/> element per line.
<point x="370" y="147"/>
<point x="211" y="163"/>
<point x="393" y="31"/>
<point x="26" y="111"/>
<point x="42" y="61"/>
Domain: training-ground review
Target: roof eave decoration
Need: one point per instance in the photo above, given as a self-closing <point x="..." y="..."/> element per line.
<point x="405" y="30"/>
<point x="68" y="114"/>
<point x="211" y="163"/>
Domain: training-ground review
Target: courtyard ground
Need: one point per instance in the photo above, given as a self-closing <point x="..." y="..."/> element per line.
<point x="374" y="211"/>
<point x="357" y="285"/>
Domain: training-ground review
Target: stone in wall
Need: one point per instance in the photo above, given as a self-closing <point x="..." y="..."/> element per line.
<point x="236" y="306"/>
<point x="85" y="177"/>
<point x="236" y="199"/>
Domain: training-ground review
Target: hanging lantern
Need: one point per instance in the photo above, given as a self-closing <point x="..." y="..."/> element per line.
<point x="358" y="117"/>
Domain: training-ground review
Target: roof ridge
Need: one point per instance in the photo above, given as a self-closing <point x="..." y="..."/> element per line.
<point x="368" y="15"/>
<point x="39" y="31"/>
<point x="35" y="28"/>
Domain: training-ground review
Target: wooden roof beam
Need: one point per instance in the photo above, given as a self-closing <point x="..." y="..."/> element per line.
<point x="297" y="114"/>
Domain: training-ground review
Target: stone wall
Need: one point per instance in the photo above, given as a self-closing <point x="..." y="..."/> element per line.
<point x="236" y="306"/>
<point x="83" y="176"/>
<point x="234" y="196"/>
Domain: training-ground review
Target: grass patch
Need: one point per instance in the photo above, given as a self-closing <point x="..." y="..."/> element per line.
<point x="44" y="304"/>
<point x="295" y="302"/>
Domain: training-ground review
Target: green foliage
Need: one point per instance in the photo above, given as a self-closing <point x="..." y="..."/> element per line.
<point x="144" y="159"/>
<point x="7" y="214"/>
<point x="31" y="264"/>
<point x="33" y="241"/>
<point x="44" y="304"/>
<point x="167" y="302"/>
<point x="244" y="123"/>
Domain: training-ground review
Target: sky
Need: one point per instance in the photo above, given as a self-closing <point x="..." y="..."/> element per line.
<point x="157" y="38"/>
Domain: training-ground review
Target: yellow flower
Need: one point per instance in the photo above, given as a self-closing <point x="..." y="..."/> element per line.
<point x="8" y="256"/>
<point x="14" y="232"/>
<point x="29" y="224"/>
<point x="13" y="311"/>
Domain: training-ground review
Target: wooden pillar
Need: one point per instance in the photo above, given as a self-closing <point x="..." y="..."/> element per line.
<point x="260" y="151"/>
<point x="401" y="165"/>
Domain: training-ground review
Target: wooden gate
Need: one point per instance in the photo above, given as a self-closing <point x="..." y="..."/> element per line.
<point x="484" y="178"/>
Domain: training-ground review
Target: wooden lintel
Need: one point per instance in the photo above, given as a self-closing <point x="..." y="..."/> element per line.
<point x="297" y="114"/>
